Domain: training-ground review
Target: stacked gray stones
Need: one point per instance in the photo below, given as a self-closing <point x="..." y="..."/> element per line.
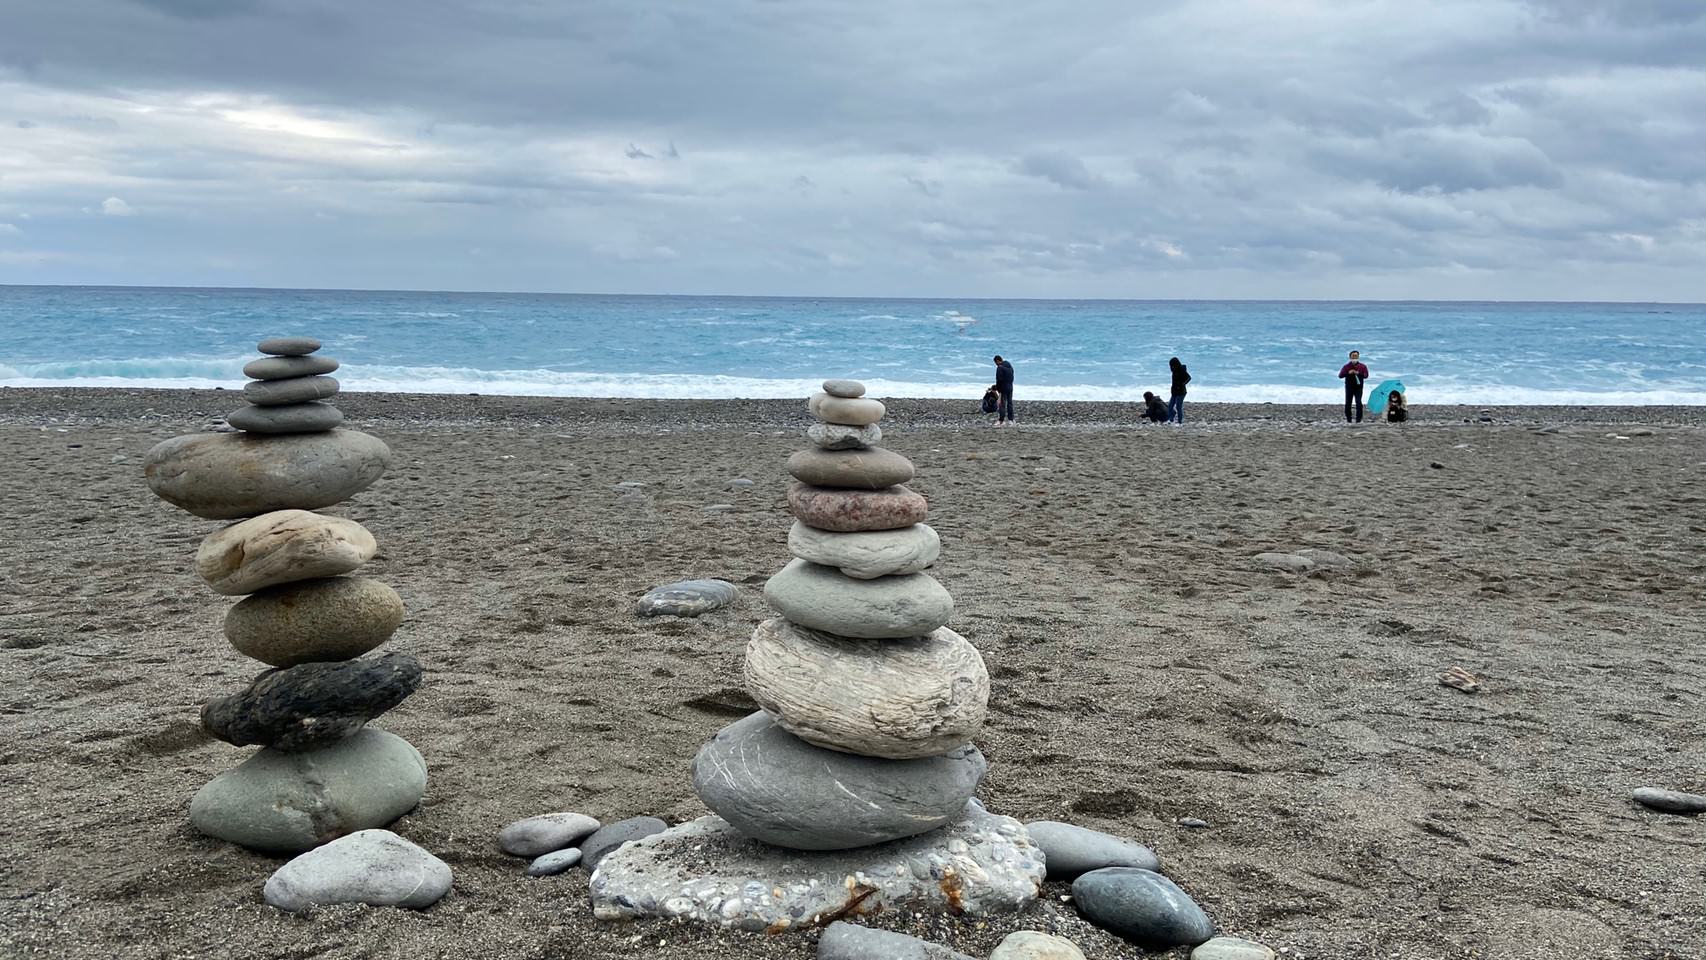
<point x="321" y="772"/>
<point x="870" y="701"/>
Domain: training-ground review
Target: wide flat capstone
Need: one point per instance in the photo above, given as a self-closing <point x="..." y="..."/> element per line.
<point x="706" y="871"/>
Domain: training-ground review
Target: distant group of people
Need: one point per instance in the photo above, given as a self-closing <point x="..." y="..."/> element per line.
<point x="998" y="399"/>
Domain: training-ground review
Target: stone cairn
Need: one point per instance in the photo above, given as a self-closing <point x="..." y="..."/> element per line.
<point x="321" y="772"/>
<point x="857" y="777"/>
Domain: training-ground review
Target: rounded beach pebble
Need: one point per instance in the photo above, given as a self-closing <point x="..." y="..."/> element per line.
<point x="844" y="388"/>
<point x="228" y="476"/>
<point x="873" y="469"/>
<point x="288" y="346"/>
<point x="1071" y="850"/>
<point x="1670" y="801"/>
<point x="775" y="787"/>
<point x="849" y="941"/>
<point x="281" y="547"/>
<point x="686" y="598"/>
<point x="1141" y="906"/>
<point x="607" y="838"/>
<point x="852" y="511"/>
<point x="835" y="436"/>
<point x="1230" y="948"/>
<point x="277" y="393"/>
<point x="1031" y="945"/>
<point x="278" y="368"/>
<point x="290" y="418"/>
<point x="375" y="867"/>
<point x="334" y="619"/>
<point x="860" y="412"/>
<point x="312" y="704"/>
<point x="290" y="802"/>
<point x="869" y="554"/>
<point x="545" y="833"/>
<point x="901" y="699"/>
<point x="553" y="863"/>
<point x="821" y="598"/>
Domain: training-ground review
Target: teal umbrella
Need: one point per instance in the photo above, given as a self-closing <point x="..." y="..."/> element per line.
<point x="1377" y="399"/>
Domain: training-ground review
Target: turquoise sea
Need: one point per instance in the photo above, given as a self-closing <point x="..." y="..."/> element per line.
<point x="644" y="346"/>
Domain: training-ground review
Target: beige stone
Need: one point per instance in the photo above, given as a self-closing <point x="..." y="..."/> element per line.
<point x="869" y="554"/>
<point x="281" y="547"/>
<point x="873" y="469"/>
<point x="900" y="699"/>
<point x="1031" y="945"/>
<point x="340" y="618"/>
<point x="849" y="411"/>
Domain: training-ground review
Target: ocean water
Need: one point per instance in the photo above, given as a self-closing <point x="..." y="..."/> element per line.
<point x="711" y="347"/>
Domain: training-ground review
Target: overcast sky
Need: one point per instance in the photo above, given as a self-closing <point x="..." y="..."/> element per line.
<point x="1500" y="149"/>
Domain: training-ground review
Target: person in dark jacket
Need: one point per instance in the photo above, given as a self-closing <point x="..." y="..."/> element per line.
<point x="1355" y="375"/>
<point x="1004" y="386"/>
<point x="1153" y="409"/>
<point x="1176" y="402"/>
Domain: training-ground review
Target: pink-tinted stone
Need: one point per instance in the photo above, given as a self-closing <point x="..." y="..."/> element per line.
<point x="847" y="511"/>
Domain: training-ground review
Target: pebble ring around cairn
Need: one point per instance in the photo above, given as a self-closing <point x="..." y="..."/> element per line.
<point x="852" y="789"/>
<point x="322" y="772"/>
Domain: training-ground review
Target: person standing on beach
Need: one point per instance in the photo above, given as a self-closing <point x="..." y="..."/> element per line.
<point x="1176" y="402"/>
<point x="1355" y="375"/>
<point x="1004" y="386"/>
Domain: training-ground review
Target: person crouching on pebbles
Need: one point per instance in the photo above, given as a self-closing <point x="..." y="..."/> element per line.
<point x="1004" y="386"/>
<point x="1153" y="409"/>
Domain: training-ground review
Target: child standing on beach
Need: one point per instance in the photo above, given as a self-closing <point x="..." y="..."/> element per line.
<point x="1355" y="375"/>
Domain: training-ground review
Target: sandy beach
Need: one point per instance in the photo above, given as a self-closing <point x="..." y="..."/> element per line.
<point x="1145" y="668"/>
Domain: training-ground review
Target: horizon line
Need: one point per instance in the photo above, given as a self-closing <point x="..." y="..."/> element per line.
<point x="777" y="296"/>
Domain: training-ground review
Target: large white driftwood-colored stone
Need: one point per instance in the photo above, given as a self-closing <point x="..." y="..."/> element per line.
<point x="227" y="476"/>
<point x="859" y="412"/>
<point x="704" y="870"/>
<point x="900" y="699"/>
<point x="281" y="547"/>
<point x="821" y="598"/>
<point x="868" y="554"/>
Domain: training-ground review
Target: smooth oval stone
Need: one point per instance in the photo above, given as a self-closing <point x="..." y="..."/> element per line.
<point x="1071" y="850"/>
<point x="858" y="412"/>
<point x="775" y="787"/>
<point x="553" y="863"/>
<point x="292" y="418"/>
<point x="375" y="867"/>
<point x="312" y="704"/>
<point x="606" y="839"/>
<point x="278" y="368"/>
<point x="916" y="697"/>
<point x="836" y="436"/>
<point x="821" y="598"/>
<point x="851" y="511"/>
<point x="227" y="476"/>
<point x="687" y="598"/>
<point x="276" y="393"/>
<point x="849" y="389"/>
<point x="1031" y="945"/>
<point x="281" y="547"/>
<point x="1141" y="906"/>
<point x="869" y="554"/>
<point x="545" y="833"/>
<point x="288" y="346"/>
<point x="312" y="620"/>
<point x="1670" y="801"/>
<point x="290" y="802"/>
<point x="849" y="941"/>
<point x="873" y="469"/>
<point x="1230" y="948"/>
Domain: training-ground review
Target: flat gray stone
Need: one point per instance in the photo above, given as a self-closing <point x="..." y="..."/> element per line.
<point x="821" y="598"/>
<point x="868" y="554"/>
<point x="313" y="704"/>
<point x="279" y="368"/>
<point x="553" y="863"/>
<point x="1031" y="945"/>
<point x="707" y="871"/>
<point x="1288" y="562"/>
<point x="291" y="418"/>
<point x="850" y="389"/>
<point x="849" y="941"/>
<point x="870" y="469"/>
<point x="609" y="838"/>
<point x="686" y="598"/>
<point x="290" y="802"/>
<point x="1073" y="850"/>
<point x="277" y="393"/>
<point x="836" y="436"/>
<point x="545" y="833"/>
<point x="227" y="476"/>
<point x="375" y="867"/>
<point x="775" y="787"/>
<point x="1670" y="801"/>
<point x="288" y="346"/>
<point x="309" y="621"/>
<point x="1141" y="906"/>
<point x="1231" y="948"/>
<point x="1325" y="558"/>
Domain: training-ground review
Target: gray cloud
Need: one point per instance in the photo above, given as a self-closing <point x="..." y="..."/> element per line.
<point x="1478" y="148"/>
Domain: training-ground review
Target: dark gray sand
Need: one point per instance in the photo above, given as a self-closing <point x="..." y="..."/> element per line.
<point x="1144" y="669"/>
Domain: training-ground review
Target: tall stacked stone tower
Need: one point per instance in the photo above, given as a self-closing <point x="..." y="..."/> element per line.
<point x="852" y="789"/>
<point x="321" y="772"/>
